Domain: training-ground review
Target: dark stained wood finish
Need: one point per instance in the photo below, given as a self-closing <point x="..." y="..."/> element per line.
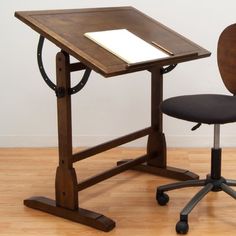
<point x="156" y="162"/>
<point x="168" y="171"/>
<point x="65" y="28"/>
<point x="109" y="173"/>
<point x="64" y="110"/>
<point x="81" y="215"/>
<point x="77" y="66"/>
<point x="226" y="56"/>
<point x="111" y="144"/>
<point x="66" y="193"/>
<point x="156" y="147"/>
<point x="66" y="204"/>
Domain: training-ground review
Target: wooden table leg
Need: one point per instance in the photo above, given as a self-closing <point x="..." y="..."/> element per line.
<point x="66" y="204"/>
<point x="156" y="147"/>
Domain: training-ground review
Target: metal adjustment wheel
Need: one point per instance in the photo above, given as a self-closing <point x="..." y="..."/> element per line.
<point x="182" y="227"/>
<point x="60" y="92"/>
<point x="162" y="198"/>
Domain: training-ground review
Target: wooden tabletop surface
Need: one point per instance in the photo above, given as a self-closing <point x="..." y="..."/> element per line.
<point x="66" y="29"/>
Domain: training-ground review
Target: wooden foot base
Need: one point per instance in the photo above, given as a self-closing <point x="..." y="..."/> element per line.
<point x="169" y="172"/>
<point x="82" y="216"/>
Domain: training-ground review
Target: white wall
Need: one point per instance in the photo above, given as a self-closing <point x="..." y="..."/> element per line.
<point x="106" y="108"/>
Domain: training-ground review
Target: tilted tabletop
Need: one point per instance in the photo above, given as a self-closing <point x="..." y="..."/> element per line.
<point x="66" y="29"/>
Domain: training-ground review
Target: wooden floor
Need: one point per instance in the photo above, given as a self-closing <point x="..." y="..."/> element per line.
<point x="128" y="198"/>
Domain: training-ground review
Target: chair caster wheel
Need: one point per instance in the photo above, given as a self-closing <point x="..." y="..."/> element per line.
<point x="182" y="227"/>
<point x="162" y="198"/>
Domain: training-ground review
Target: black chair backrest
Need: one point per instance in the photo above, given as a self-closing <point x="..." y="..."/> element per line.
<point x="226" y="57"/>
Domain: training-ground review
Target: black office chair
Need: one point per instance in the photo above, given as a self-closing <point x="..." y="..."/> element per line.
<point x="208" y="109"/>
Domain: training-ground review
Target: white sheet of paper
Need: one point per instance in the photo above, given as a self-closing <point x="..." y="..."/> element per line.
<point x="126" y="46"/>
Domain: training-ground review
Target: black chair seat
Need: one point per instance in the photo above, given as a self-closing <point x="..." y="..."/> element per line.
<point x="202" y="108"/>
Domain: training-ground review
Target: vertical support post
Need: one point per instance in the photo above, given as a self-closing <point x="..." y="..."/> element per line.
<point x="66" y="181"/>
<point x="66" y="204"/>
<point x="216" y="154"/>
<point x="156" y="161"/>
<point x="156" y="146"/>
<point x="216" y="136"/>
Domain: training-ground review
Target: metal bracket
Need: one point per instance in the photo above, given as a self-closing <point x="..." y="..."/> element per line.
<point x="60" y="92"/>
<point x="40" y="64"/>
<point x="168" y="69"/>
<point x="82" y="82"/>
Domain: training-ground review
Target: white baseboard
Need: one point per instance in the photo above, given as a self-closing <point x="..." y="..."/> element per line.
<point x="86" y="141"/>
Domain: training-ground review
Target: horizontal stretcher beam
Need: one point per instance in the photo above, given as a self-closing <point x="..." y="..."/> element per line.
<point x="77" y="66"/>
<point x="111" y="172"/>
<point x="111" y="144"/>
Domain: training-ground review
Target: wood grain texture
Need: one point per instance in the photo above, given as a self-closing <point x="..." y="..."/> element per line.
<point x="226" y="57"/>
<point x="66" y="29"/>
<point x="156" y="146"/>
<point x="66" y="181"/>
<point x="128" y="198"/>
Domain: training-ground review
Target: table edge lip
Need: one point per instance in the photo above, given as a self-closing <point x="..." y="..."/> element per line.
<point x="72" y="10"/>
